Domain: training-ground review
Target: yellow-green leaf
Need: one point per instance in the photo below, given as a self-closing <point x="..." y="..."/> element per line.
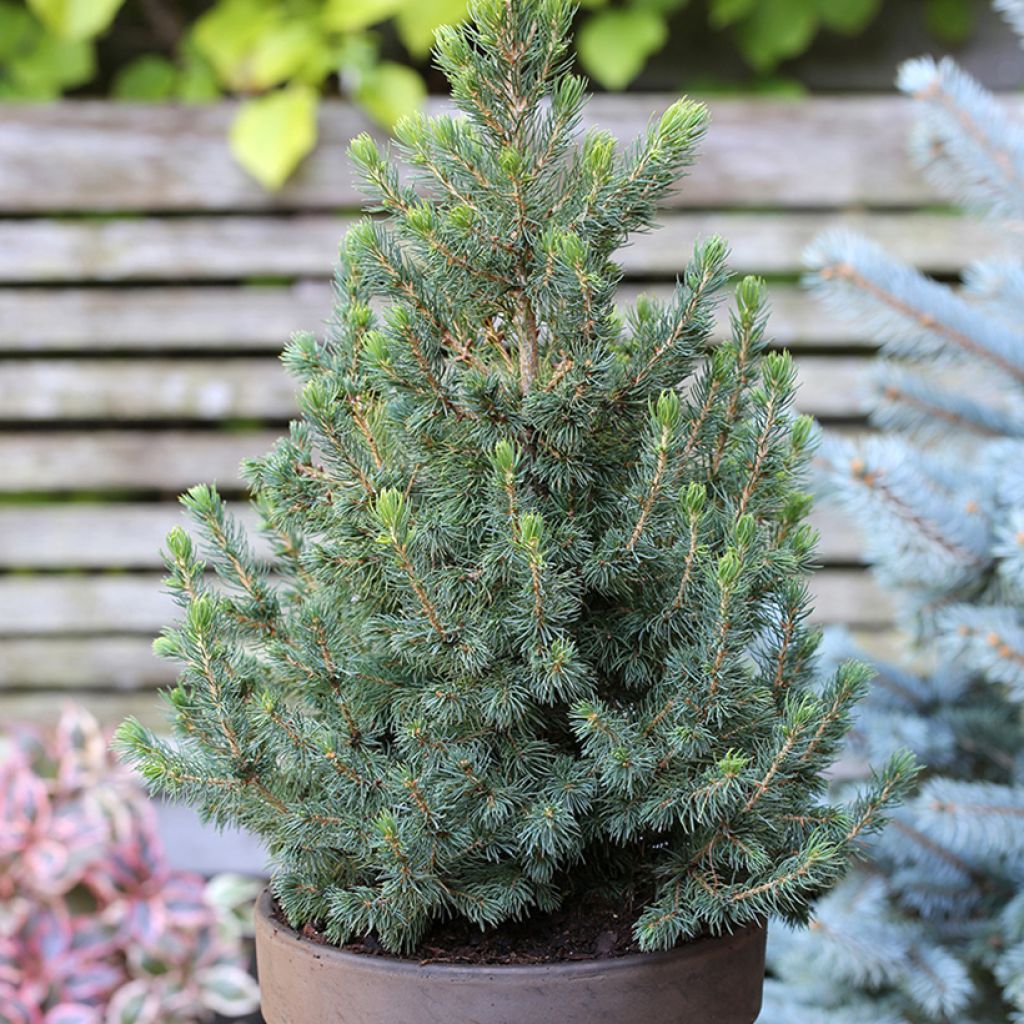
<point x="197" y="81"/>
<point x="282" y="53"/>
<point x="149" y="77"/>
<point x="728" y="12"/>
<point x="390" y="91"/>
<point x="416" y="22"/>
<point x="848" y="16"/>
<point x="17" y="29"/>
<point x="76" y="19"/>
<point x="253" y="47"/>
<point x="614" y="44"/>
<point x="353" y="15"/>
<point x="272" y="134"/>
<point x="229" y="33"/>
<point x="952" y="21"/>
<point x="776" y="30"/>
<point x="661" y="6"/>
<point x="51" y="66"/>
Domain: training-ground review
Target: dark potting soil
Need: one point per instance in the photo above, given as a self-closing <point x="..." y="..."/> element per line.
<point x="590" y="930"/>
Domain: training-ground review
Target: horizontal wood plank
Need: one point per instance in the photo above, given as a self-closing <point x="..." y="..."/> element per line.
<point x="43" y="707"/>
<point x="112" y="319"/>
<point x="261" y="318"/>
<point x="825" y="152"/>
<point x="81" y="664"/>
<point x="92" y="605"/>
<point x="130" y="535"/>
<point x="138" y="390"/>
<point x="305" y="246"/>
<point x="122" y="460"/>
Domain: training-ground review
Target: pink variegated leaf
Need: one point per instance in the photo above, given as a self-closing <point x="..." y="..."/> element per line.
<point x="75" y="824"/>
<point x="47" y="933"/>
<point x="209" y="948"/>
<point x="48" y="868"/>
<point x="13" y="915"/>
<point x="149" y="848"/>
<point x="135" y="1003"/>
<point x="229" y="990"/>
<point x="24" y="806"/>
<point x="92" y="938"/>
<point x="16" y="1009"/>
<point x="30" y="801"/>
<point x="80" y="749"/>
<point x="92" y="983"/>
<point x="184" y="896"/>
<point x="144" y="920"/>
<point x="112" y="804"/>
<point x="119" y="872"/>
<point x="148" y="963"/>
<point x="232" y="896"/>
<point x="73" y="1013"/>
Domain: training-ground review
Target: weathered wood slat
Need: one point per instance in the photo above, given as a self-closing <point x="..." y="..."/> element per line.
<point x="133" y="390"/>
<point x="236" y="248"/>
<point x="96" y="536"/>
<point x="44" y="706"/>
<point x="106" y="319"/>
<point x="130" y="536"/>
<point x="90" y="605"/>
<point x="257" y="388"/>
<point x="760" y="151"/>
<point x="103" y="460"/>
<point x="116" y="662"/>
<point x="135" y="603"/>
<point x="220" y="318"/>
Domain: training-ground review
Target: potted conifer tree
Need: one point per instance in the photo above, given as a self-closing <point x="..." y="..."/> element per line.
<point x="526" y="712"/>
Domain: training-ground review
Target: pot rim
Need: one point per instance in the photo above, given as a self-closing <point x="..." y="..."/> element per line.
<point x="281" y="931"/>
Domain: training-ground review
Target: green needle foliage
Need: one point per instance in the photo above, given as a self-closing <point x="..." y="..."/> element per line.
<point x="539" y="626"/>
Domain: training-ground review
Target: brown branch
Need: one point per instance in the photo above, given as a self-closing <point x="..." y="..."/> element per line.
<point x="529" y="355"/>
<point x="849" y="273"/>
<point x="873" y="480"/>
<point x="653" y="490"/>
<point x="418" y="589"/>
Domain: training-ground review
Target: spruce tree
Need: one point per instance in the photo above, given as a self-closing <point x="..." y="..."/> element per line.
<point x="536" y="624"/>
<point x="931" y="930"/>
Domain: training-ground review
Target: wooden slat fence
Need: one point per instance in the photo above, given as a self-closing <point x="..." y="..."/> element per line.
<point x="146" y="286"/>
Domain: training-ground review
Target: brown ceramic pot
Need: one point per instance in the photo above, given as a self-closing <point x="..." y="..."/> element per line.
<point x="711" y="981"/>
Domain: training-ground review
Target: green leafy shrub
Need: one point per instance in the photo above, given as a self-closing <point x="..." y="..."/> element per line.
<point x="540" y="627"/>
<point x="280" y="55"/>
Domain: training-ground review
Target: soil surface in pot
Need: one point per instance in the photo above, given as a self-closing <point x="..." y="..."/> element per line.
<point x="585" y="930"/>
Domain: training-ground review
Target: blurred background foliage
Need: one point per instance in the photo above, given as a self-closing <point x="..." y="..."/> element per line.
<point x="280" y="56"/>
